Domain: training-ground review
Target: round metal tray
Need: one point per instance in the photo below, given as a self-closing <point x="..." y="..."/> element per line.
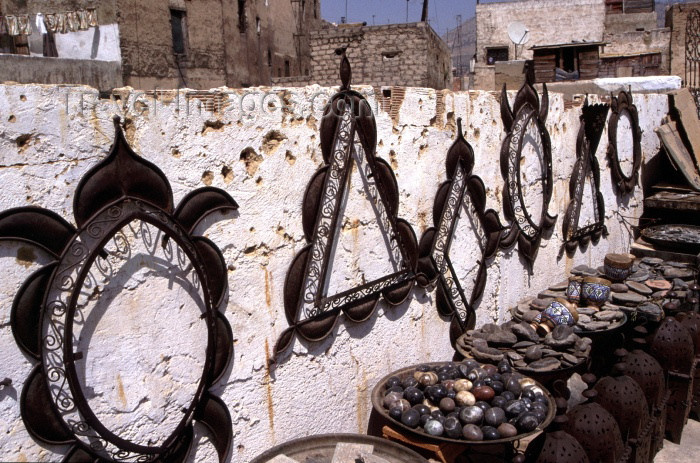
<point x="320" y="449"/>
<point x="378" y="396"/>
<point x="595" y="336"/>
<point x="674" y="236"/>
<point x="544" y="377"/>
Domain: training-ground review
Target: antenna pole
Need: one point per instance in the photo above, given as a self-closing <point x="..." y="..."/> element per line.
<point x="424" y="15"/>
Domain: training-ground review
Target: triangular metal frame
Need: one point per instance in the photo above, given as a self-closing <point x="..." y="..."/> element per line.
<point x="461" y="192"/>
<point x="348" y="134"/>
<point x="593" y="118"/>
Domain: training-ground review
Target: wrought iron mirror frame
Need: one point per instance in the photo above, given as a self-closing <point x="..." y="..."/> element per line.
<point x="621" y="105"/>
<point x="348" y="134"/>
<point x="118" y="190"/>
<point x="593" y="119"/>
<point x="461" y="191"/>
<point x="527" y="108"/>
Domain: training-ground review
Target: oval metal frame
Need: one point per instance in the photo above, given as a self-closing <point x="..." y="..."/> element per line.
<point x="621" y="105"/>
<point x="121" y="188"/>
<point x="527" y="109"/>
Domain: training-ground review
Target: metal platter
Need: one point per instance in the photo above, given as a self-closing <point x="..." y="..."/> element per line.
<point x="320" y="449"/>
<point x="378" y="395"/>
<point x="543" y="377"/>
<point x="675" y="236"/>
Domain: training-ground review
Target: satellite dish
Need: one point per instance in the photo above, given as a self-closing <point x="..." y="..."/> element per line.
<point x="518" y="33"/>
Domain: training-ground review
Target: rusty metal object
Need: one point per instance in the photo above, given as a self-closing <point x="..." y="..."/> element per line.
<point x="647" y="372"/>
<point x="586" y="169"/>
<point x="673" y="348"/>
<point x="596" y="429"/>
<point x="625" y="400"/>
<point x="462" y="194"/>
<point x="555" y="445"/>
<point x="692" y="55"/>
<point x="674" y="236"/>
<point x="322" y="448"/>
<point x="527" y="111"/>
<point x="623" y="105"/>
<point x="121" y="189"/>
<point x="348" y="135"/>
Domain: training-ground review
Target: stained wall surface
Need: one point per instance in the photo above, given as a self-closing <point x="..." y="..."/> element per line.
<point x="264" y="156"/>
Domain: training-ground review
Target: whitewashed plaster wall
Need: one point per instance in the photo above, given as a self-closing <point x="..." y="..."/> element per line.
<point x="98" y="43"/>
<point x="47" y="142"/>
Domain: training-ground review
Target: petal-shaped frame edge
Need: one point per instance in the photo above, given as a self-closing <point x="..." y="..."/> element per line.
<point x="36" y="226"/>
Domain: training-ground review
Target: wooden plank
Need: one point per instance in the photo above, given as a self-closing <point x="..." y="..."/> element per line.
<point x="684" y="102"/>
<point x="676" y="151"/>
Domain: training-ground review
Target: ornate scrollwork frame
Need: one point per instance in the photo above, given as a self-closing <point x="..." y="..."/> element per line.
<point x="348" y="134"/>
<point x="461" y="193"/>
<point x="621" y="105"/>
<point x="120" y="189"/>
<point x="527" y="108"/>
<point x="586" y="168"/>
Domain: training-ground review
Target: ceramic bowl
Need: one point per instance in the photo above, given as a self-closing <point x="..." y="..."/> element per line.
<point x="617" y="267"/>
<point x="573" y="291"/>
<point x="595" y="291"/>
<point x="558" y="312"/>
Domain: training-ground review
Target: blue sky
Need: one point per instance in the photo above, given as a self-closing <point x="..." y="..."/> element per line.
<point x="442" y="12"/>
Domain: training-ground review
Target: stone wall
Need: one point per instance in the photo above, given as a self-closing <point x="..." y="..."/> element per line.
<point x="395" y="54"/>
<point x="264" y="157"/>
<point x="223" y="47"/>
<point x="549" y="22"/>
<point x="676" y="19"/>
<point x="633" y="42"/>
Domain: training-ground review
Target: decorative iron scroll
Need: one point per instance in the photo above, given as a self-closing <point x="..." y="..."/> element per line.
<point x="348" y="135"/>
<point x="123" y="189"/>
<point x="527" y="110"/>
<point x="461" y="194"/>
<point x="586" y="169"/>
<point x="692" y="56"/>
<point x="620" y="106"/>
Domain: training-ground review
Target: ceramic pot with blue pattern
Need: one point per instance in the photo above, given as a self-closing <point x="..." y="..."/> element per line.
<point x="595" y="291"/>
<point x="617" y="267"/>
<point x="559" y="312"/>
<point x="573" y="291"/>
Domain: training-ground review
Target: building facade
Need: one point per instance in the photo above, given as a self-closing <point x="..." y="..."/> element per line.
<point x="407" y="55"/>
<point x="630" y="42"/>
<point x="212" y="43"/>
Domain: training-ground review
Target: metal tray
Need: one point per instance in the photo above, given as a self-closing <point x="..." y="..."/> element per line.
<point x="378" y="395"/>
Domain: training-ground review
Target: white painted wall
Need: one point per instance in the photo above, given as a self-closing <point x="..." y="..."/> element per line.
<point x="97" y="43"/>
<point x="320" y="388"/>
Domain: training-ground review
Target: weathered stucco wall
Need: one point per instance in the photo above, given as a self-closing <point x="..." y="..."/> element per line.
<point x="47" y="142"/>
<point x="394" y="54"/>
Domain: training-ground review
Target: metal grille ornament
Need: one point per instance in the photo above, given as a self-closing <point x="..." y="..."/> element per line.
<point x="586" y="169"/>
<point x="525" y="123"/>
<point x="673" y="346"/>
<point x="555" y="445"/>
<point x="595" y="428"/>
<point x="691" y="322"/>
<point x="692" y="55"/>
<point x="646" y="371"/>
<point x="623" y="105"/>
<point x="461" y="195"/>
<point x="120" y="190"/>
<point x="625" y="400"/>
<point x="348" y="135"/>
